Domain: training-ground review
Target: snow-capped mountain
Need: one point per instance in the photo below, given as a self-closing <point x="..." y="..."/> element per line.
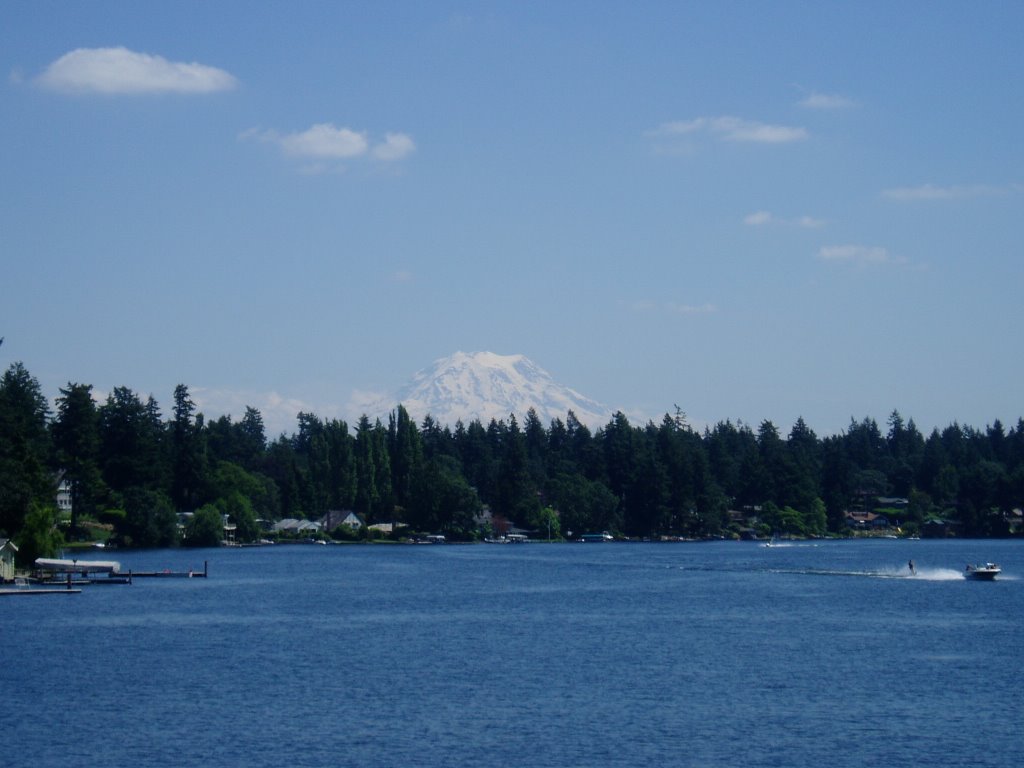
<point x="485" y="386"/>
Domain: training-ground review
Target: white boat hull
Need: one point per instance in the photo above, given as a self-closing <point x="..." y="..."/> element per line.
<point x="986" y="572"/>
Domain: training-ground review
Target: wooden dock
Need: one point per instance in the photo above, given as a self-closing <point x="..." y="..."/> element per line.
<point x="190" y="574"/>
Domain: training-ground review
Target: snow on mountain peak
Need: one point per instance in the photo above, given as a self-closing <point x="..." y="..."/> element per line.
<point x="484" y="386"/>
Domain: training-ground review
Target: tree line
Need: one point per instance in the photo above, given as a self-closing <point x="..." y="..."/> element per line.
<point x="132" y="469"/>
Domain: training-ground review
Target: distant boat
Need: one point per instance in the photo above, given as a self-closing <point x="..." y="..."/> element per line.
<point x="599" y="537"/>
<point x="986" y="572"/>
<point x="508" y="538"/>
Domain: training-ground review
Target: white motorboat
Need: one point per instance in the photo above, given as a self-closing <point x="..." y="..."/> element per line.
<point x="986" y="572"/>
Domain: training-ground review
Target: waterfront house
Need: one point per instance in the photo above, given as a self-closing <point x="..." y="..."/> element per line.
<point x="230" y="530"/>
<point x="8" y="550"/>
<point x="63" y="495"/>
<point x="336" y="517"/>
<point x="296" y="527"/>
<point x="860" y="520"/>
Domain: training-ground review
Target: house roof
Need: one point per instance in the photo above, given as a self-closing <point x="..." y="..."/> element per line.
<point x="291" y="524"/>
<point x="7" y="543"/>
<point x="336" y="517"/>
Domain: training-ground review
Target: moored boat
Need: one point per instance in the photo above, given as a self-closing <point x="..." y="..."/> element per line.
<point x="78" y="566"/>
<point x="986" y="572"/>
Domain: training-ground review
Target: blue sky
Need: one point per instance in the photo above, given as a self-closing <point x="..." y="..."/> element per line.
<point x="754" y="210"/>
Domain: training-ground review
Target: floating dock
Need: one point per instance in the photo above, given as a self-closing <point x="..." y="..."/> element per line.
<point x="190" y="574"/>
<point x="89" y="572"/>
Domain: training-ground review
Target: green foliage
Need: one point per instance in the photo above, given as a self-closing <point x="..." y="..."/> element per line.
<point x="546" y="523"/>
<point x="585" y="505"/>
<point x="76" y="438"/>
<point x="261" y="493"/>
<point x="816" y="518"/>
<point x="132" y="443"/>
<point x="205" y="528"/>
<point x="239" y="510"/>
<point x="39" y="536"/>
<point x="150" y="520"/>
<point x="114" y="517"/>
<point x="25" y="478"/>
<point x="132" y="468"/>
<point x="441" y="498"/>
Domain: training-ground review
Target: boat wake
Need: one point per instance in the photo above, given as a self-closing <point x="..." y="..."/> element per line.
<point x="921" y="574"/>
<point x="927" y="574"/>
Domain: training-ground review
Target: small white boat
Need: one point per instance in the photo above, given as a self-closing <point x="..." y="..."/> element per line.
<point x="986" y="572"/>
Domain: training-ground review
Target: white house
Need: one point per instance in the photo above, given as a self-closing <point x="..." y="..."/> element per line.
<point x="63" y="494"/>
<point x="336" y="517"/>
<point x="8" y="549"/>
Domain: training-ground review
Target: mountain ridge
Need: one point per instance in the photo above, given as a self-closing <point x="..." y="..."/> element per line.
<point x="467" y="386"/>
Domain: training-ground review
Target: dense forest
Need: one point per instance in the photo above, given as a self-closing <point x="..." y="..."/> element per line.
<point x="131" y="470"/>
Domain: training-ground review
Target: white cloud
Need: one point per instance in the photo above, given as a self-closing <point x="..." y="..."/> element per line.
<point x="324" y="140"/>
<point x="690" y="309"/>
<point x="854" y="254"/>
<point x="362" y="402"/>
<point x="935" y="192"/>
<point x="826" y="101"/>
<point x="121" y="71"/>
<point x="279" y="411"/>
<point x="758" y="218"/>
<point x="324" y="144"/>
<point x="762" y="218"/>
<point x="394" y="147"/>
<point x="729" y="128"/>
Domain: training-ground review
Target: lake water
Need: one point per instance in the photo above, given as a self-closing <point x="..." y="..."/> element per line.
<point x="712" y="654"/>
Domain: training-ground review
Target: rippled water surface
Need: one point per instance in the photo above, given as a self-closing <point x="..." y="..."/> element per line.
<point x="804" y="655"/>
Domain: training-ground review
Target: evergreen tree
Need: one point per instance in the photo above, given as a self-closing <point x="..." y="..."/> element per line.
<point x="150" y="520"/>
<point x="406" y="454"/>
<point x="441" y="498"/>
<point x="645" y="508"/>
<point x="515" y="495"/>
<point x="584" y="450"/>
<point x="282" y="469"/>
<point x="252" y="438"/>
<point x="188" y="459"/>
<point x="313" y="461"/>
<point x="341" y="484"/>
<point x="802" y="479"/>
<point x="476" y="455"/>
<point x="367" y="496"/>
<point x="535" y="440"/>
<point x="131" y="442"/>
<point x="383" y="511"/>
<point x="584" y="505"/>
<point x="25" y="478"/>
<point x="76" y="436"/>
<point x="619" y="454"/>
